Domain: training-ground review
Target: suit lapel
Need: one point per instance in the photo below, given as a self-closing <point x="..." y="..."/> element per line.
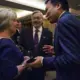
<point x="56" y="39"/>
<point x="30" y="37"/>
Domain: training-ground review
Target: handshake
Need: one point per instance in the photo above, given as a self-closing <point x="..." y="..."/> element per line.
<point x="30" y="63"/>
<point x="37" y="61"/>
<point x="33" y="62"/>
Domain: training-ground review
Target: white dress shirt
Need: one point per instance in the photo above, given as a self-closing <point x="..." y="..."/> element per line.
<point x="39" y="33"/>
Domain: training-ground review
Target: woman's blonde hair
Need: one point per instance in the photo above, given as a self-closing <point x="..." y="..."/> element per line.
<point x="6" y="15"/>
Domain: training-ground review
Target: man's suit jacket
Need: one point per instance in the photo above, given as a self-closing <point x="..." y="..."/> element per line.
<point x="67" y="49"/>
<point x="26" y="39"/>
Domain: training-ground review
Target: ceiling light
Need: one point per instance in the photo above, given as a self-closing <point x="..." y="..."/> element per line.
<point x="23" y="13"/>
<point x="36" y="4"/>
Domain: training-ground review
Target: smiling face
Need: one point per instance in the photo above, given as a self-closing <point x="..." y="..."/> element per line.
<point x="37" y="19"/>
<point x="8" y="21"/>
<point x="13" y="26"/>
<point x="52" y="12"/>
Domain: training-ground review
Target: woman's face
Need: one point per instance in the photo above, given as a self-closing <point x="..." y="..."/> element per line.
<point x="13" y="26"/>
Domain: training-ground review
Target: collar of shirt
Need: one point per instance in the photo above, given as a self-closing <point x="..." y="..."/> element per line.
<point x="18" y="30"/>
<point x="61" y="14"/>
<point x="40" y="29"/>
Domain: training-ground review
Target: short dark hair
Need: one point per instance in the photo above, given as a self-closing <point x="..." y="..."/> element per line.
<point x="64" y="3"/>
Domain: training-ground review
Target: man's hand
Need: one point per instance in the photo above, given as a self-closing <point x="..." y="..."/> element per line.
<point x="48" y="49"/>
<point x="26" y="57"/>
<point x="22" y="66"/>
<point x="37" y="63"/>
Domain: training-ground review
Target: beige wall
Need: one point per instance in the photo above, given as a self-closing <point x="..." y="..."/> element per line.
<point x="47" y="24"/>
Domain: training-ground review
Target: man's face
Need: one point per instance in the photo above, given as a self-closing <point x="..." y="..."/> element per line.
<point x="37" y="20"/>
<point x="51" y="12"/>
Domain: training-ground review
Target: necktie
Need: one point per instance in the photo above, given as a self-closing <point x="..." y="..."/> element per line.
<point x="36" y="42"/>
<point x="36" y="37"/>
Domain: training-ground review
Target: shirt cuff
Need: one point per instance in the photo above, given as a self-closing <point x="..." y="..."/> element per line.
<point x="42" y="61"/>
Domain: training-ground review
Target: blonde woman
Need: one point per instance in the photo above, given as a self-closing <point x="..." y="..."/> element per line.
<point x="13" y="61"/>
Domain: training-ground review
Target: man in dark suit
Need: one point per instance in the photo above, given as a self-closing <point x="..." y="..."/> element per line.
<point x="33" y="40"/>
<point x="66" y="42"/>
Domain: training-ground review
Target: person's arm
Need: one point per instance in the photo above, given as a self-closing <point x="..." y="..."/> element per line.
<point x="8" y="70"/>
<point x="22" y="66"/>
<point x="69" y="45"/>
<point x="14" y="63"/>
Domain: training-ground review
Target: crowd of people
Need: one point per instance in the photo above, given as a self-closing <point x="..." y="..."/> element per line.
<point x="27" y="53"/>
